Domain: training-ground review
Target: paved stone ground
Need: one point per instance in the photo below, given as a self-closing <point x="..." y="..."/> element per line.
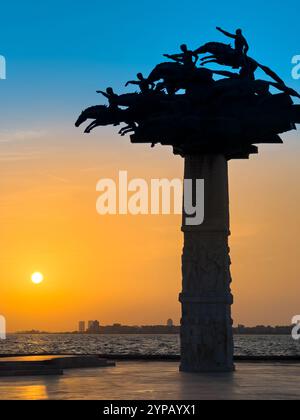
<point x="160" y="380"/>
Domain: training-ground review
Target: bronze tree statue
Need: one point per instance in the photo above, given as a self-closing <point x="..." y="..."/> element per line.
<point x="222" y="115"/>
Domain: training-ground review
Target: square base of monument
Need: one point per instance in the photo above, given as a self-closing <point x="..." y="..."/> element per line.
<point x="207" y="369"/>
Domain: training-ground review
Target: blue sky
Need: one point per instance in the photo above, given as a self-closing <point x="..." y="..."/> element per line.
<point x="59" y="52"/>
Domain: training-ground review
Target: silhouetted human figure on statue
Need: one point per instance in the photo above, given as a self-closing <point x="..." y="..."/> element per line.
<point x="188" y="58"/>
<point x="143" y="83"/>
<point x="111" y="96"/>
<point x="241" y="44"/>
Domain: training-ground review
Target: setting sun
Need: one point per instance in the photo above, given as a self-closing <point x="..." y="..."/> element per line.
<point x="37" y="278"/>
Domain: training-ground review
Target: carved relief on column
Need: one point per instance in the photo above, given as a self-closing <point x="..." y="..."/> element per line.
<point x="206" y="331"/>
<point x="206" y="264"/>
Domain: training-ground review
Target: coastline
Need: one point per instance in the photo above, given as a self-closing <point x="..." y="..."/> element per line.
<point x="151" y="357"/>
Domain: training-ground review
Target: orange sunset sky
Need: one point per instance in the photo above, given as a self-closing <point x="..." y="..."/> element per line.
<point x="124" y="268"/>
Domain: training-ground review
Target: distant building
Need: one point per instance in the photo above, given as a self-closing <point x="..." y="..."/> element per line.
<point x="81" y="327"/>
<point x="94" y="327"/>
<point x="170" y="323"/>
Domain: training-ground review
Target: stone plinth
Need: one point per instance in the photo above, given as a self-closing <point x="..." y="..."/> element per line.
<point x="206" y="328"/>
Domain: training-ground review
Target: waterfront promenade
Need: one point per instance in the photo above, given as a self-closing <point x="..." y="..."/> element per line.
<point x="140" y="380"/>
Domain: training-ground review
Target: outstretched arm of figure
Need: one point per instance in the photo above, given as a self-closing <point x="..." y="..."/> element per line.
<point x="175" y="57"/>
<point x="103" y="93"/>
<point x="226" y="33"/>
<point x="132" y="82"/>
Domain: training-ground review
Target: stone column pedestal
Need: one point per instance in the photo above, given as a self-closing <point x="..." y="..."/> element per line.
<point x="206" y="326"/>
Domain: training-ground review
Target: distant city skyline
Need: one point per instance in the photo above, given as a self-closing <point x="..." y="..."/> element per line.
<point x="94" y="326"/>
<point x="119" y="329"/>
